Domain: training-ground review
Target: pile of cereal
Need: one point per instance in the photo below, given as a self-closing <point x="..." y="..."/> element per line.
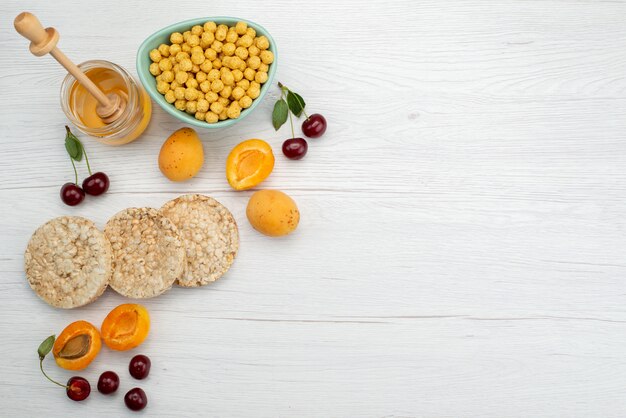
<point x="212" y="71"/>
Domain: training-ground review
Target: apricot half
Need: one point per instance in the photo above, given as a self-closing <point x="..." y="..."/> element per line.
<point x="249" y="163"/>
<point x="77" y="346"/>
<point x="125" y="327"/>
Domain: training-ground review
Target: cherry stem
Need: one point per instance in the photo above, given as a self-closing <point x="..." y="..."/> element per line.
<point x="283" y="87"/>
<point x="48" y="377"/>
<point x="75" y="172"/>
<point x="67" y="128"/>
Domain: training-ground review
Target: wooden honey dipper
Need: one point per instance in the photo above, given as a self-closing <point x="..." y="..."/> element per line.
<point x="43" y="41"/>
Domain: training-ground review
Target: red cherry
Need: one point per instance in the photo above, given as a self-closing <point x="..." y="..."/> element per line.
<point x="71" y="194"/>
<point x="314" y="126"/>
<point x="78" y="388"/>
<point x="108" y="382"/>
<point x="136" y="399"/>
<point x="139" y="366"/>
<point x="295" y="148"/>
<point x="96" y="184"/>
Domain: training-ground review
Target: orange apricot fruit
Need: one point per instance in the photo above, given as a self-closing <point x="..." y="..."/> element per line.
<point x="249" y="163"/>
<point x="125" y="327"/>
<point x="77" y="346"/>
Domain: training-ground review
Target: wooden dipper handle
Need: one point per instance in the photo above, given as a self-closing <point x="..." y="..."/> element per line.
<point x="43" y="41"/>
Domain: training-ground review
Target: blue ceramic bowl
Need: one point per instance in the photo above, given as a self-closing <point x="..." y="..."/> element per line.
<point x="163" y="37"/>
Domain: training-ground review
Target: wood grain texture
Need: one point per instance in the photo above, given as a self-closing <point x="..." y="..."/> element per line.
<point x="461" y="251"/>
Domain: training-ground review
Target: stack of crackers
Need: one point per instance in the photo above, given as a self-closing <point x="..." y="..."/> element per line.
<point x="192" y="241"/>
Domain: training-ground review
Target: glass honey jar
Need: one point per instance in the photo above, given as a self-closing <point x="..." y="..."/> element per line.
<point x="80" y="106"/>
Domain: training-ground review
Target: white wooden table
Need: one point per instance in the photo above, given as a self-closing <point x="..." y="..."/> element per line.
<point x="461" y="249"/>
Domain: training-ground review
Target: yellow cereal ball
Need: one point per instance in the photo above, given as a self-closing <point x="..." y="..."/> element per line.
<point x="164" y="65"/>
<point x="251" y="33"/>
<point x="217" y="86"/>
<point x="163" y="87"/>
<point x="260" y="77"/>
<point x="182" y="56"/>
<point x="223" y="115"/>
<point x="253" y="93"/>
<point x="226" y="91"/>
<point x="241" y="28"/>
<point x="267" y="57"/>
<point x="211" y="117"/>
<point x="179" y="93"/>
<point x="213" y="75"/>
<point x="210" y="27"/>
<point x="254" y="62"/>
<point x="217" y="108"/>
<point x="200" y="115"/>
<point x="210" y="54"/>
<point x="207" y="39"/>
<point x="211" y="97"/>
<point x="217" y="46"/>
<point x="241" y="52"/>
<point x="185" y="65"/>
<point x="180" y="104"/>
<point x="217" y="63"/>
<point x="175" y="69"/>
<point x="206" y="66"/>
<point x="245" y="41"/>
<point x="203" y="104"/>
<point x="237" y="74"/>
<point x="186" y="35"/>
<point x="167" y="76"/>
<point x="172" y="57"/>
<point x="201" y="76"/>
<point x="181" y="77"/>
<point x="164" y="50"/>
<point x="155" y="55"/>
<point x="224" y="101"/>
<point x="205" y="86"/>
<point x="253" y="51"/>
<point x="196" y="49"/>
<point x="263" y="68"/>
<point x="185" y="47"/>
<point x="196" y="30"/>
<point x="191" y="93"/>
<point x="169" y="96"/>
<point x="227" y="78"/>
<point x="243" y="65"/>
<point x="159" y="78"/>
<point x="155" y="69"/>
<point x="238" y="93"/>
<point x="191" y="83"/>
<point x="193" y="41"/>
<point x="234" y="110"/>
<point x="244" y="84"/>
<point x="191" y="107"/>
<point x="229" y="49"/>
<point x="245" y="102"/>
<point x="255" y="85"/>
<point x="249" y="74"/>
<point x="176" y="38"/>
<point x="174" y="84"/>
<point x="231" y="36"/>
<point x="262" y="42"/>
<point x="220" y="32"/>
<point x="234" y="63"/>
<point x="175" y="49"/>
<point x="195" y="68"/>
<point x="197" y="58"/>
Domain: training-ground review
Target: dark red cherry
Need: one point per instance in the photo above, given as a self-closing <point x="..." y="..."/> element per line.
<point x="314" y="126"/>
<point x="295" y="148"/>
<point x="78" y="388"/>
<point x="139" y="366"/>
<point x="71" y="194"/>
<point x="96" y="184"/>
<point x="108" y="382"/>
<point x="136" y="399"/>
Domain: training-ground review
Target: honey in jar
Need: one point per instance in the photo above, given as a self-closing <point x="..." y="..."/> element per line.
<point x="80" y="106"/>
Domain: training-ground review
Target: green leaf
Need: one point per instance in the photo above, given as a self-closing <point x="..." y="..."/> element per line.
<point x="73" y="146"/>
<point x="45" y="346"/>
<point x="280" y="113"/>
<point x="296" y="103"/>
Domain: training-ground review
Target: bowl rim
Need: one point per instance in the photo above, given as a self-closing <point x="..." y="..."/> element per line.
<point x="185" y="117"/>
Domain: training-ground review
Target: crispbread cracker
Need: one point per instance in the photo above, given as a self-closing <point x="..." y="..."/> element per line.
<point x="68" y="262"/>
<point x="148" y="252"/>
<point x="210" y="235"/>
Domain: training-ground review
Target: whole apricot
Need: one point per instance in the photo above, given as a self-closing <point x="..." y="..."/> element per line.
<point x="272" y="213"/>
<point x="181" y="156"/>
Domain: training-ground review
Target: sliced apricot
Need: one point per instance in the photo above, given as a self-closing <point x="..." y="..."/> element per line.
<point x="249" y="163"/>
<point x="77" y="346"/>
<point x="125" y="327"/>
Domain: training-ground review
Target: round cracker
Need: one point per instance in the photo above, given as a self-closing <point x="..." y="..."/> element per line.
<point x="210" y="235"/>
<point x="148" y="252"/>
<point x="68" y="262"/>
